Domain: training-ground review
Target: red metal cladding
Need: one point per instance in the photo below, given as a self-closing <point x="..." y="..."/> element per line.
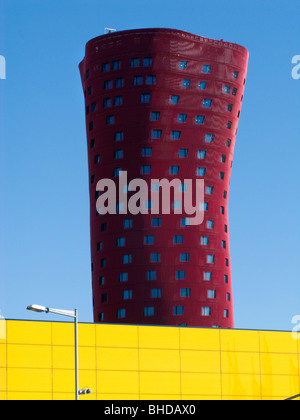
<point x="169" y="102"/>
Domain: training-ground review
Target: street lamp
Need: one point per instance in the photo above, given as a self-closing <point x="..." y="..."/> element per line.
<point x="71" y="314"/>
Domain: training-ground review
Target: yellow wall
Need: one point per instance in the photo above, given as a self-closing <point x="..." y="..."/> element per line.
<point x="139" y="362"/>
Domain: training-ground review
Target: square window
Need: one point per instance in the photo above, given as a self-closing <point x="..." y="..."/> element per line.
<point x="119" y="136"/>
<point x="175" y="135"/>
<point x="155" y="257"/>
<point x="226" y="89"/>
<point x="119" y="82"/>
<point x="200" y="119"/>
<point x="201" y="171"/>
<point x="180" y="275"/>
<point x="178" y="239"/>
<point x="137" y="80"/>
<point x="156" y="134"/>
<point x="97" y="159"/>
<point x="212" y="294"/>
<point x="151" y="80"/>
<point x="127" y="259"/>
<point x="155" y="293"/>
<point x="210" y="259"/>
<point x="184" y="257"/>
<point x="183" y="65"/>
<point x="118" y="154"/>
<point x="148" y="311"/>
<point x="178" y="310"/>
<point x="206" y="311"/>
<point x="209" y="138"/>
<point x="127" y="223"/>
<point x="209" y="190"/>
<point x="146" y="169"/>
<point x="174" y="99"/>
<point x="185" y="222"/>
<point x="234" y="91"/>
<point x="186" y="83"/>
<point x="123" y="277"/>
<point x="121" y="313"/>
<point x="207" y="275"/>
<point x="105" y="67"/>
<point x="110" y="119"/>
<point x="235" y="74"/>
<point x="174" y="170"/>
<point x="222" y="175"/>
<point x="202" y="85"/>
<point x="147" y="62"/>
<point x="182" y="117"/>
<point x="207" y="103"/>
<point x="116" y="65"/>
<point x="156" y="222"/>
<point x="210" y="224"/>
<point x="223" y="158"/>
<point x="107" y="84"/>
<point x="149" y="240"/>
<point x="151" y="275"/>
<point x="185" y="292"/>
<point x="229" y="107"/>
<point x="154" y="116"/>
<point x="183" y="153"/>
<point x="204" y="240"/>
<point x="127" y="294"/>
<point x="107" y="103"/>
<point x="206" y="69"/>
<point x="147" y="151"/>
<point x="135" y="62"/>
<point x="145" y="98"/>
<point x="120" y="242"/>
<point x="201" y="154"/>
<point x="229" y="125"/>
<point x="116" y="172"/>
<point x="118" y="100"/>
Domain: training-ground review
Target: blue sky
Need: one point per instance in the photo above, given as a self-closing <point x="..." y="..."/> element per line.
<point x="44" y="210"/>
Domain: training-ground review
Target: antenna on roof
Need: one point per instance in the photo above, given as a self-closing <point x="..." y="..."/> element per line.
<point x="109" y="30"/>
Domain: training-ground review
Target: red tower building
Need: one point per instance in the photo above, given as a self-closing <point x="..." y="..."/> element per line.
<point x="161" y="104"/>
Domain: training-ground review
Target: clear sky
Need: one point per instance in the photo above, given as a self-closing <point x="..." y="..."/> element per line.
<point x="44" y="210"/>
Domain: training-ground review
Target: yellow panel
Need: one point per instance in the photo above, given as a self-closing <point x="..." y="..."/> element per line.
<point x="2" y="355"/>
<point x="117" y="359"/>
<point x="241" y="385"/>
<point x="3" y="396"/>
<point x="201" y="397"/>
<point x="88" y="379"/>
<point x="63" y="380"/>
<point x="117" y="382"/>
<point x="27" y="356"/>
<point x="199" y="339"/>
<point x="240" y="362"/>
<point x="200" y="361"/>
<point x="29" y="396"/>
<point x="201" y="384"/>
<point x="116" y="336"/>
<point x="87" y="335"/>
<point x="87" y="358"/>
<point x="2" y="379"/>
<point x="283" y="386"/>
<point x="159" y="360"/>
<point x="277" y="342"/>
<point x="29" y="380"/>
<point x="64" y="396"/>
<point x="158" y="338"/>
<point x="240" y="398"/>
<point x="166" y="397"/>
<point x="159" y="383"/>
<point x="63" y="333"/>
<point x="2" y="330"/>
<point x="28" y="332"/>
<point x="280" y="364"/>
<point x="238" y="340"/>
<point x="63" y="357"/>
<point x="117" y="397"/>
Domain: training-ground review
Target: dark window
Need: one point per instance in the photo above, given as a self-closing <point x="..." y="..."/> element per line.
<point x="178" y="310"/>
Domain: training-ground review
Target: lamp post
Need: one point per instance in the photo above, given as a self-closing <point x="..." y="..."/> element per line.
<point x="70" y="314"/>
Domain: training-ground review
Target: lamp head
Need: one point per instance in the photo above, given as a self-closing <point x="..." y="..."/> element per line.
<point x="37" y="308"/>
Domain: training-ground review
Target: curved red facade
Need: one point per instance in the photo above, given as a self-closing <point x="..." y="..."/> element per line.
<point x="162" y="103"/>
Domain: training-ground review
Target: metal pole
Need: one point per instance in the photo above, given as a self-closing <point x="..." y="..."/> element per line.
<point x="76" y="357"/>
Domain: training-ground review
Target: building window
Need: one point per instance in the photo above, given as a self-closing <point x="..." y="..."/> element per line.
<point x="118" y="154"/>
<point x="105" y="67"/>
<point x="92" y="179"/>
<point x="175" y="135"/>
<point x="234" y="91"/>
<point x="207" y="276"/>
<point x="228" y="297"/>
<point x="155" y="257"/>
<point x="210" y="259"/>
<point x="182" y="117"/>
<point x="119" y="136"/>
<point x="148" y="311"/>
<point x="210" y="224"/>
<point x="212" y="294"/>
<point x="209" y="138"/>
<point x="155" y="293"/>
<point x="223" y="158"/>
<point x="137" y="80"/>
<point x="202" y="85"/>
<point x="103" y="227"/>
<point x="206" y="69"/>
<point x="154" y="116"/>
<point x="87" y="74"/>
<point x="226" y="313"/>
<point x="174" y="99"/>
<point x="110" y="119"/>
<point x="235" y="74"/>
<point x="146" y="169"/>
<point x="206" y="311"/>
<point x="204" y="240"/>
<point x="185" y="292"/>
<point x="116" y="172"/>
<point x="209" y="190"/>
<point x="174" y="170"/>
<point x="156" y="134"/>
<point x="120" y="242"/>
<point x="127" y="259"/>
<point x="121" y="313"/>
<point x="107" y="103"/>
<point x="224" y="244"/>
<point x="127" y="294"/>
<point x="229" y="125"/>
<point x="101" y="281"/>
<point x="186" y="83"/>
<point x="149" y="240"/>
<point x="118" y="100"/>
<point x="207" y="103"/>
<point x="89" y="90"/>
<point x="91" y="126"/>
<point x="227" y="262"/>
<point x="200" y="119"/>
<point x="178" y="310"/>
<point x="228" y="142"/>
<point x="156" y="222"/>
<point x="151" y="275"/>
<point x="116" y="65"/>
<point x="123" y="277"/>
<point x="127" y="223"/>
<point x="99" y="246"/>
<point x="151" y="80"/>
<point x="178" y="239"/>
<point x="147" y="62"/>
<point x="201" y="171"/>
<point x="225" y="279"/>
<point x="185" y="222"/>
<point x="183" y="65"/>
<point x="147" y="151"/>
<point x="101" y="316"/>
<point x="226" y="89"/>
<point x="229" y="107"/>
<point x="183" y="153"/>
<point x="184" y="257"/>
<point x="180" y="275"/>
<point x="119" y="82"/>
<point x="103" y="262"/>
<point x="204" y="206"/>
<point x="135" y="62"/>
<point x="145" y="98"/>
<point x="107" y="84"/>
<point x="222" y="210"/>
<point x="97" y="159"/>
